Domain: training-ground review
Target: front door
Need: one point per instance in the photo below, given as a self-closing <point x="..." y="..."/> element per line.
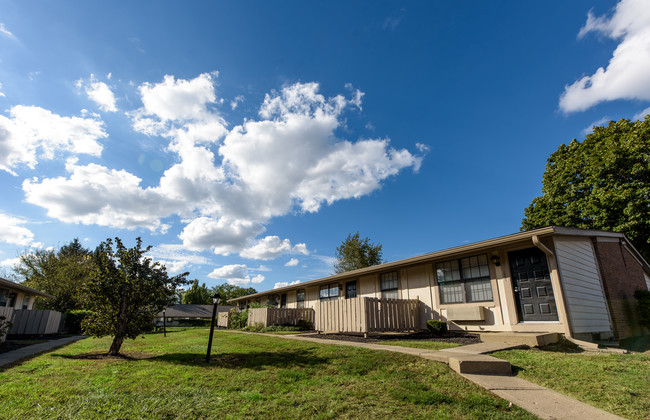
<point x="532" y="285"/>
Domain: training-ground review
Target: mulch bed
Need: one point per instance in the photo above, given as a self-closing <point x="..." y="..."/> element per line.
<point x="457" y="337"/>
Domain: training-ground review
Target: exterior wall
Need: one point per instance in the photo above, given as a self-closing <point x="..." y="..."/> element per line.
<point x="622" y="274"/>
<point x="582" y="287"/>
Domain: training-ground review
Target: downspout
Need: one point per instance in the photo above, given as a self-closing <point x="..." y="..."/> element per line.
<point x="551" y="258"/>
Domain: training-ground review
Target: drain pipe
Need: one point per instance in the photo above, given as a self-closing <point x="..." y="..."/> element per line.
<point x="551" y="259"/>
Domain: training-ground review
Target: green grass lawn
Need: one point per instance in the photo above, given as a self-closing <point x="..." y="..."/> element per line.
<point x="618" y="383"/>
<point x="251" y="376"/>
<point x="425" y="345"/>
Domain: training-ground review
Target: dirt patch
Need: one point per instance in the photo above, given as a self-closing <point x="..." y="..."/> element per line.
<point x="461" y="338"/>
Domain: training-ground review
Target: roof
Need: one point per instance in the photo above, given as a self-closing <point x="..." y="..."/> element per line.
<point x="27" y="290"/>
<point x="192" y="311"/>
<point x="490" y="243"/>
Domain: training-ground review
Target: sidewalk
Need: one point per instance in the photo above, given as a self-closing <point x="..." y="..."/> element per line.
<point x="536" y="399"/>
<point x="29" y="351"/>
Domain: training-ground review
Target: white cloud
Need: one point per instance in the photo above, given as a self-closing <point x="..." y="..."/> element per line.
<point x="235" y="102"/>
<point x="31" y="132"/>
<point x="175" y="252"/>
<point x="226" y="185"/>
<point x="99" y="92"/>
<point x="627" y="75"/>
<point x="174" y="267"/>
<point x="641" y="114"/>
<point x="271" y="247"/>
<point x="1" y="94"/>
<point x="285" y="284"/>
<point x="590" y="128"/>
<point x="6" y="32"/>
<point x="236" y="274"/>
<point x="260" y="268"/>
<point x="292" y="262"/>
<point x="13" y="232"/>
<point x="10" y="262"/>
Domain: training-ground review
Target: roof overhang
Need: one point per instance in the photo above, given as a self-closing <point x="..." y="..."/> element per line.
<point x="473" y="247"/>
<point x="27" y="290"/>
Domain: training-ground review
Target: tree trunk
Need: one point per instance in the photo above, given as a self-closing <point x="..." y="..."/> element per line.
<point x="115" y="346"/>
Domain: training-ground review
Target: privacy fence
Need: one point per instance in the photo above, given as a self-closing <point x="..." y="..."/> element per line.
<point x="277" y="316"/>
<point x="32" y="322"/>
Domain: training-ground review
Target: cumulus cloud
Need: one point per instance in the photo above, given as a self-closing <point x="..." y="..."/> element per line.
<point x="285" y="284"/>
<point x="627" y="75"/>
<point x="13" y="232"/>
<point x="292" y="262"/>
<point x="271" y="247"/>
<point x="174" y="267"/>
<point x="227" y="184"/>
<point x="31" y="133"/>
<point x="99" y="92"/>
<point x="235" y="274"/>
<point x="10" y="262"/>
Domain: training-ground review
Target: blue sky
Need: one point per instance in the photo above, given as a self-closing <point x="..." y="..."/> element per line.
<point x="245" y="140"/>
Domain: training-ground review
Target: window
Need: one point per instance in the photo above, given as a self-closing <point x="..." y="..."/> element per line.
<point x="300" y="299"/>
<point x="4" y="296"/>
<point x="26" y="302"/>
<point x="329" y="291"/>
<point x="464" y="280"/>
<point x="272" y="301"/>
<point x="12" y="299"/>
<point x="388" y="283"/>
<point x="351" y="289"/>
<point x="283" y="300"/>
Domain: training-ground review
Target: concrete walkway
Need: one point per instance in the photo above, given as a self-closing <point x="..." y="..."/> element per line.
<point x="29" y="351"/>
<point x="536" y="399"/>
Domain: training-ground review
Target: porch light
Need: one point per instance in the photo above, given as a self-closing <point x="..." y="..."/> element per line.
<point x="495" y="260"/>
<point x="215" y="299"/>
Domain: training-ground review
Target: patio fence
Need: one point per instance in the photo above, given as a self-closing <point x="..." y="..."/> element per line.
<point x="32" y="322"/>
<point x="279" y="316"/>
<point x="367" y="314"/>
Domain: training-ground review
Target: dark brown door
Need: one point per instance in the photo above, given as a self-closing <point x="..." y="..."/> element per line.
<point x="532" y="285"/>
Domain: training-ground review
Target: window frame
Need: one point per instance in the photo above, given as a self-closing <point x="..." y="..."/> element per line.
<point x="328" y="287"/>
<point x="464" y="281"/>
<point x="300" y="303"/>
<point x="347" y="289"/>
<point x="385" y="291"/>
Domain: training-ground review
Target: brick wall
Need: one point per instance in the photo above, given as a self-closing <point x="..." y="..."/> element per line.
<point x="621" y="275"/>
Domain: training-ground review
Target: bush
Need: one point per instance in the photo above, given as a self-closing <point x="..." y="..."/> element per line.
<point x="643" y="306"/>
<point x="437" y="327"/>
<point x="255" y="328"/>
<point x="74" y="318"/>
<point x="304" y="325"/>
<point x="5" y="326"/>
<point x="238" y="320"/>
<point x="273" y="328"/>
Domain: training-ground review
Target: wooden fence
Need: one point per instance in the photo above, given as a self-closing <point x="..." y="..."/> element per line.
<point x="28" y="322"/>
<point x="276" y="316"/>
<point x="8" y="314"/>
<point x="367" y="315"/>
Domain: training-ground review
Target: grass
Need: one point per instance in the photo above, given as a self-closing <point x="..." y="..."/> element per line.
<point x="251" y="376"/>
<point x="426" y="345"/>
<point x="618" y="383"/>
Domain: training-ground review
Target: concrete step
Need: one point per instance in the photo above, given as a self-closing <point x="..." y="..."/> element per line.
<point x="480" y="364"/>
<point x="525" y="339"/>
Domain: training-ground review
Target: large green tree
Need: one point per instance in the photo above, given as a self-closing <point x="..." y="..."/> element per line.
<point x="230" y="291"/>
<point x="602" y="182"/>
<point x="125" y="292"/>
<point x="355" y="253"/>
<point x="60" y="273"/>
<point x="197" y="295"/>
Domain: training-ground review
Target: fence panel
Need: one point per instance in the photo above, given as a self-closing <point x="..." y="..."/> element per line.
<point x="36" y="322"/>
<point x="279" y="316"/>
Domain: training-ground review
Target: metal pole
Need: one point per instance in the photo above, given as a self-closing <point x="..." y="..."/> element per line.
<point x="214" y="314"/>
<point x="164" y="324"/>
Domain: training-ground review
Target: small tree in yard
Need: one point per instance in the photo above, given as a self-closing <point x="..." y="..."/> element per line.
<point x="197" y="295"/>
<point x="125" y="292"/>
<point x="355" y="253"/>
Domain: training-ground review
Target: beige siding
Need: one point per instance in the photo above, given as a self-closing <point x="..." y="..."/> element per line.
<point x="416" y="284"/>
<point x="583" y="291"/>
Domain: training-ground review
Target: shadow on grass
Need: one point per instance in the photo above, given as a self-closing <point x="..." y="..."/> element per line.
<point x="640" y="343"/>
<point x="250" y="360"/>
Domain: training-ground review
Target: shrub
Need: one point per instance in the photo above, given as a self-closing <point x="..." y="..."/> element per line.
<point x="74" y="318"/>
<point x="643" y="306"/>
<point x="5" y="326"/>
<point x="273" y="328"/>
<point x="304" y="325"/>
<point x="238" y="320"/>
<point x="437" y="327"/>
<point x="255" y="328"/>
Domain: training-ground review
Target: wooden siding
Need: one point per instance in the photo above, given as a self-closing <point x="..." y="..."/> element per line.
<point x="367" y="315"/>
<point x="583" y="291"/>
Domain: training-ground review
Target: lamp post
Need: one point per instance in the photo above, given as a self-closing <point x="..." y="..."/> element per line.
<point x="164" y="324"/>
<point x="215" y="301"/>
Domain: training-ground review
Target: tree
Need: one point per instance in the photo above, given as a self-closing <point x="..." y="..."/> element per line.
<point x="61" y="274"/>
<point x="197" y="295"/>
<point x="355" y="253"/>
<point x="600" y="183"/>
<point x="230" y="291"/>
<point x="125" y="292"/>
